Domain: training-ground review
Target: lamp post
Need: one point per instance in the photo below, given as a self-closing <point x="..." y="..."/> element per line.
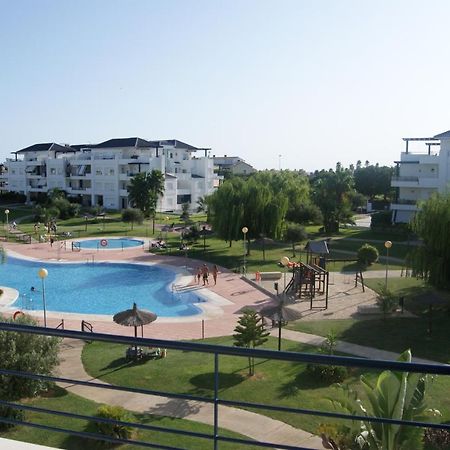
<point x="167" y="218"/>
<point x="285" y="262"/>
<point x="245" y="231"/>
<point x="388" y="245"/>
<point x="85" y="223"/>
<point x="204" y="238"/>
<point x="43" y="275"/>
<point x="7" y="220"/>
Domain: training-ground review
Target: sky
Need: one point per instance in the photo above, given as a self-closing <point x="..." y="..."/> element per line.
<point x="282" y="84"/>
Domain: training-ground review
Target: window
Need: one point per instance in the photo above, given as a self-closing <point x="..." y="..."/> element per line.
<point x="111" y="171"/>
<point x="186" y="198"/>
<point x="98" y="172"/>
<point x="52" y="171"/>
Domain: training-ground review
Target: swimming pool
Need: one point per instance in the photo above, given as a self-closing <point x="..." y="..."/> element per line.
<point x="100" y="288"/>
<point x="108" y="243"/>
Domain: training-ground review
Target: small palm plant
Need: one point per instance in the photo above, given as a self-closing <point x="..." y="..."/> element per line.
<point x="395" y="395"/>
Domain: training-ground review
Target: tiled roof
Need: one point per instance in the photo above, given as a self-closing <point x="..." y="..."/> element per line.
<point x="44" y="147"/>
<point x="444" y="135"/>
<point x="123" y="142"/>
<point x="175" y="143"/>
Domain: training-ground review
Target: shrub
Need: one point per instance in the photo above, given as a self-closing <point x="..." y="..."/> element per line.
<point x="28" y="353"/>
<point x="437" y="439"/>
<point x="6" y="412"/>
<point x="339" y="436"/>
<point x="381" y="219"/>
<point x="367" y="254"/>
<point x="117" y="431"/>
<point x="327" y="374"/>
<point x="132" y="215"/>
<point x="387" y="301"/>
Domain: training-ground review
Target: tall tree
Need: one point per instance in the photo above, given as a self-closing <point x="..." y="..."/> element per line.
<point x="373" y="180"/>
<point x="294" y="233"/>
<point x="431" y="259"/>
<point x="331" y="190"/>
<point x="250" y="332"/>
<point x="260" y="203"/>
<point x="144" y="191"/>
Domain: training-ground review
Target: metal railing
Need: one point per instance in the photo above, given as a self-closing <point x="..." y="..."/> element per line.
<point x="216" y="400"/>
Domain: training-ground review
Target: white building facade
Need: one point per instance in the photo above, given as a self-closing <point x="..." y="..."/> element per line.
<point x="100" y="174"/>
<point x="420" y="173"/>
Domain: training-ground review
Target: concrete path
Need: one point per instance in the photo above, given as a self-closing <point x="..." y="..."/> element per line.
<point x="345" y="347"/>
<point x="255" y="426"/>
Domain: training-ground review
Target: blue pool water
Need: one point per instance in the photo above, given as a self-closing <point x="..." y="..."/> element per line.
<point x="110" y="243"/>
<point x="100" y="288"/>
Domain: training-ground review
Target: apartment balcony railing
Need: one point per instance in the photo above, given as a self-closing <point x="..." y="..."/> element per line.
<point x="405" y="202"/>
<point x="216" y="401"/>
<point x="403" y="178"/>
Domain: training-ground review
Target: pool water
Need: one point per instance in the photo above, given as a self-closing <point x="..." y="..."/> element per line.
<point x="100" y="288"/>
<point x="110" y="243"/>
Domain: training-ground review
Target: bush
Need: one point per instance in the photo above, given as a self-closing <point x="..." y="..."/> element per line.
<point x="325" y="373"/>
<point x="66" y="209"/>
<point x="437" y="439"/>
<point x="12" y="197"/>
<point x="341" y="436"/>
<point x="132" y="215"/>
<point x="109" y="429"/>
<point x="9" y="413"/>
<point x="367" y="254"/>
<point x="381" y="219"/>
<point x="387" y="301"/>
<point x="28" y="353"/>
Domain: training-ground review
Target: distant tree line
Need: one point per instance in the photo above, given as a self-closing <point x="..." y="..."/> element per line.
<point x="270" y="203"/>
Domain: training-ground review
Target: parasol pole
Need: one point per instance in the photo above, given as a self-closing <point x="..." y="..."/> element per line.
<point x="279" y="332"/>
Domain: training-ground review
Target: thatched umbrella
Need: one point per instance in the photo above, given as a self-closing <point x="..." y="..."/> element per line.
<point x="134" y="318"/>
<point x="280" y="313"/>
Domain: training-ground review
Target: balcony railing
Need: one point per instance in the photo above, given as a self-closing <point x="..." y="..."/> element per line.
<point x="402" y="178"/>
<point x="216" y="401"/>
<point x="405" y="202"/>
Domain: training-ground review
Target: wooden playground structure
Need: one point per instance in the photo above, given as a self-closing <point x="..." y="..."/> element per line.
<point x="308" y="281"/>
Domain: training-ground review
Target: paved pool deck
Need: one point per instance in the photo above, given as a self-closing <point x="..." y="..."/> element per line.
<point x="231" y="294"/>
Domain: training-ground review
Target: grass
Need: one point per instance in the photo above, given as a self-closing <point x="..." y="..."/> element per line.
<point x="62" y="400"/>
<point x="394" y="333"/>
<point x="275" y="382"/>
<point x="213" y="250"/>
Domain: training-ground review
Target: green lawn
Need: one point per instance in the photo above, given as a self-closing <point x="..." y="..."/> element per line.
<point x="394" y="333"/>
<point x="64" y="401"/>
<point x="275" y="382"/>
<point x="262" y="257"/>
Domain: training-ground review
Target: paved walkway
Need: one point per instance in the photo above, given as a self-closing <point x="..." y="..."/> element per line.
<point x="344" y="299"/>
<point x="346" y="347"/>
<point x="255" y="426"/>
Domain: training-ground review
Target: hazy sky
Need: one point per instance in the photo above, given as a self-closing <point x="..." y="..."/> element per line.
<point x="314" y="81"/>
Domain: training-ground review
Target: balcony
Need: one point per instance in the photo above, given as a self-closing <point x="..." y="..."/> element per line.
<point x="404" y="205"/>
<point x="215" y="409"/>
<point x="80" y="190"/>
<point x="415" y="181"/>
<point x="37" y="187"/>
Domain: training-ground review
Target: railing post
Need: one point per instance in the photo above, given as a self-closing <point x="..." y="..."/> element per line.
<point x="216" y="400"/>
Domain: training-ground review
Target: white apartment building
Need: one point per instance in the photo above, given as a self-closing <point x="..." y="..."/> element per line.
<point x="99" y="174"/>
<point x="420" y="173"/>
